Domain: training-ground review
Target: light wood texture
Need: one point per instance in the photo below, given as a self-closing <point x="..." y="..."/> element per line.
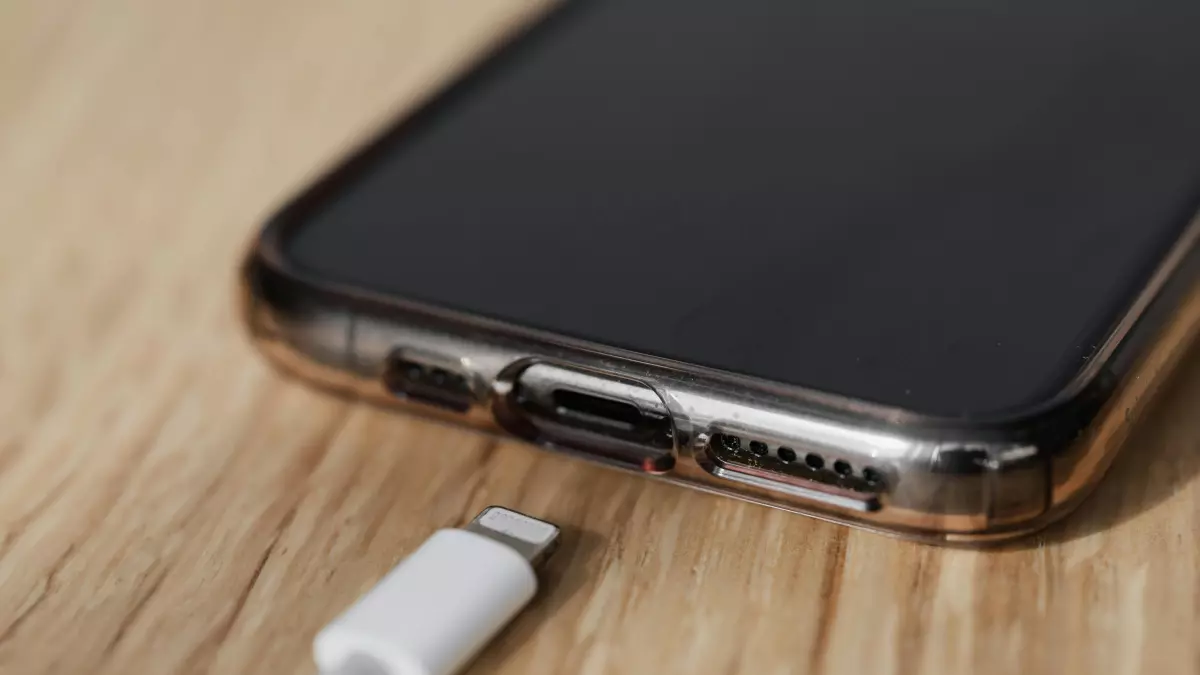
<point x="168" y="504"/>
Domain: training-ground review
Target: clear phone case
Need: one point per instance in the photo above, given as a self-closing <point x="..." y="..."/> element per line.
<point x="944" y="480"/>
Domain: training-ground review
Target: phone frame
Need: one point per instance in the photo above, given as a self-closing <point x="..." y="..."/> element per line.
<point x="960" y="480"/>
<point x="947" y="480"/>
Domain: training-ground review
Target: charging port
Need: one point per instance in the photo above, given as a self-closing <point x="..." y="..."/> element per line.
<point x="408" y="377"/>
<point x="618" y="418"/>
<point x="614" y="419"/>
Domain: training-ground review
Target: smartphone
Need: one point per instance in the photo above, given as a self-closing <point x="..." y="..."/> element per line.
<point x="910" y="267"/>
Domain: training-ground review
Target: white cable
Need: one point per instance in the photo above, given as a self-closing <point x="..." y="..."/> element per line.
<point x="436" y="609"/>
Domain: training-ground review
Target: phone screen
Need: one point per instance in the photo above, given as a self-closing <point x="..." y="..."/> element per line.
<point x="939" y="206"/>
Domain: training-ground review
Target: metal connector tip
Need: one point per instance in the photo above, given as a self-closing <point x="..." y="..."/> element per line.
<point x="532" y="538"/>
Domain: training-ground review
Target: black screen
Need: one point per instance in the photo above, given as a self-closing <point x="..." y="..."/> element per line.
<point x="933" y="204"/>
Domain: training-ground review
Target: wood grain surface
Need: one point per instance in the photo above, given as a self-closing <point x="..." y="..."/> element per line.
<point x="168" y="504"/>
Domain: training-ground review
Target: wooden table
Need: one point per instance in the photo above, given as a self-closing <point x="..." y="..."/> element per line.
<point x="168" y="504"/>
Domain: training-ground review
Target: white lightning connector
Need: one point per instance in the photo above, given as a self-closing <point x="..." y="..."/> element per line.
<point x="440" y="606"/>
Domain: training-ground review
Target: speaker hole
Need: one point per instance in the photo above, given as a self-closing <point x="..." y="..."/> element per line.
<point x="729" y="442"/>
